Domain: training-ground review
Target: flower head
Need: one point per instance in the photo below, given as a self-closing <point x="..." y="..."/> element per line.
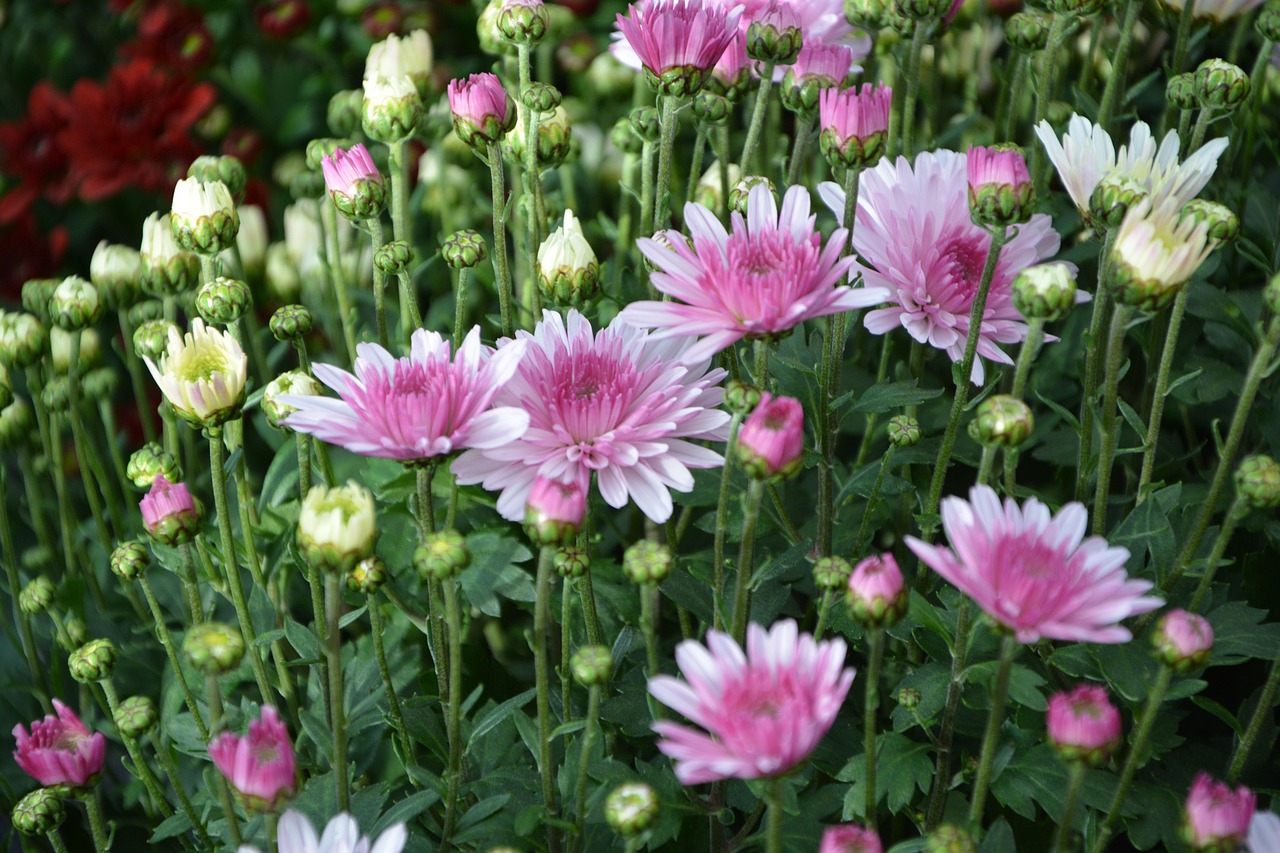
<point x="391" y="108"/>
<point x="414" y="408"/>
<point x="202" y="375"/>
<point x="204" y="217"/>
<point x="771" y="442"/>
<point x="341" y="835"/>
<point x="922" y="248"/>
<point x="483" y="112"/>
<point x="60" y="750"/>
<point x="1000" y="189"/>
<point x="337" y="526"/>
<point x="555" y="510"/>
<point x="354" y="183"/>
<point x="764" y="277"/>
<point x="678" y="41"/>
<point x="617" y="403"/>
<point x="1183" y="640"/>
<point x="850" y="838"/>
<point x="764" y="712"/>
<point x="876" y="592"/>
<point x="1034" y="573"/>
<point x="397" y="56"/>
<point x="1156" y="251"/>
<point x="1083" y="724"/>
<point x="169" y="512"/>
<point x="1216" y="818"/>
<point x="260" y="765"/>
<point x="855" y="123"/>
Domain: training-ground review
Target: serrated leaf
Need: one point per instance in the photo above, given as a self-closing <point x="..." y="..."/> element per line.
<point x="406" y="810"/>
<point x="499" y="713"/>
<point x="890" y="396"/>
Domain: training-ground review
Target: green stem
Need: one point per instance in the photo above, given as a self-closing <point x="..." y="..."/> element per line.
<point x="864" y="527"/>
<point x="918" y="39"/>
<point x="869" y="429"/>
<point x="376" y="628"/>
<point x="1161" y="391"/>
<point x="1201" y="129"/>
<point x="1239" y="509"/>
<point x="501" y="266"/>
<point x="588" y="740"/>
<point x="401" y="229"/>
<point x="695" y="166"/>
<point x="649" y="626"/>
<point x="669" y="125"/>
<point x="1014" y="100"/>
<point x="1027" y="356"/>
<point x="589" y="615"/>
<point x="55" y="841"/>
<point x="97" y="826"/>
<point x="1183" y="38"/>
<point x="1059" y="29"/>
<point x="20" y="616"/>
<point x="81" y="441"/>
<point x="1141" y="734"/>
<point x="141" y="768"/>
<point x="333" y="612"/>
<point x="773" y="817"/>
<point x="946" y="735"/>
<point x="804" y="133"/>
<point x="541" y="620"/>
<point x="1008" y="650"/>
<point x="871" y="708"/>
<point x="162" y="632"/>
<point x="533" y="188"/>
<point x="746" y="561"/>
<point x="379" y="280"/>
<point x="1110" y="432"/>
<point x="338" y="276"/>
<point x="1261" y="713"/>
<point x="1075" y="781"/>
<point x="1093" y="359"/>
<point x="648" y="180"/>
<point x="757" y="118"/>
<point x="722" y="518"/>
<point x="1119" y="60"/>
<point x="453" y="618"/>
<point x="460" y="309"/>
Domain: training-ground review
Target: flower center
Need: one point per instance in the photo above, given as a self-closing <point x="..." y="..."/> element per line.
<point x="965" y="260"/>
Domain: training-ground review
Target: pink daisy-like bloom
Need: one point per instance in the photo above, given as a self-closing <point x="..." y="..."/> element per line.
<point x="763" y="712"/>
<point x="414" y="408"/>
<point x="766" y="276"/>
<point x="829" y="64"/>
<point x="1215" y="816"/>
<point x="344" y="170"/>
<point x="618" y="403"/>
<point x="168" y="506"/>
<point x="849" y="838"/>
<point x="668" y="35"/>
<point x="914" y="230"/>
<point x="479" y="101"/>
<point x="771" y="442"/>
<point x="60" y="749"/>
<point x="1083" y="724"/>
<point x="260" y="765"/>
<point x="987" y="166"/>
<point x="855" y="113"/>
<point x="1035" y="573"/>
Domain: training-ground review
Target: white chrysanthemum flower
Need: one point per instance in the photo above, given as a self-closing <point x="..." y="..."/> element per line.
<point x="158" y="245"/>
<point x="341" y="835"/>
<point x="194" y="198"/>
<point x="1156" y="252"/>
<point x="337" y="526"/>
<point x="202" y="375"/>
<point x="397" y="56"/>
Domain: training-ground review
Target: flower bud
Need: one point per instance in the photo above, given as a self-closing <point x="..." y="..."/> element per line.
<point x="307" y="185"/>
<point x="818" y="68"/>
<point x="631" y="808"/>
<point x="1183" y="641"/>
<point x="624" y="137"/>
<point x="949" y="838"/>
<point x="1220" y="85"/>
<point x="904" y="431"/>
<point x="464" y="249"/>
<point x="571" y="562"/>
<point x="909" y="698"/>
<point x="393" y="258"/>
<point x="204" y="217"/>
<point x="337" y="527"/>
<point x="870" y="15"/>
<point x="166" y="269"/>
<point x="646" y="124"/>
<point x="741" y="191"/>
<point x="1258" y="481"/>
<point x="289" y="382"/>
<point x="38" y="558"/>
<point x="491" y="39"/>
<point x="101" y="384"/>
<point x="483" y="112"/>
<point x="554" y="511"/>
<point x="40" y="812"/>
<point x="523" y="22"/>
<point x="209" y="168"/>
<point x="1000" y="188"/>
<point x="345" y="111"/>
<point x="647" y="562"/>
<point x="213" y="648"/>
<point x="922" y="10"/>
<point x="711" y="110"/>
<point x="832" y="573"/>
<point x="116" y="271"/>
<point x="1268" y="21"/>
<point x="775" y="36"/>
<point x="170" y="514"/>
<point x="223" y="300"/>
<point x="592" y="665"/>
<point x="1083" y="725"/>
<point x="554" y="138"/>
<point x="1027" y="32"/>
<point x="392" y="108"/>
<point x="135" y="717"/>
<point x="396" y="56"/>
<point x="147" y="309"/>
<point x="1154" y="255"/>
<point x="129" y="560"/>
<point x="1222" y="224"/>
<point x="568" y="273"/>
<point x="23" y="339"/>
<point x="771" y="441"/>
<point x="850" y="838"/>
<point x="1112" y="199"/>
<point x="77" y="633"/>
<point x="149" y="461"/>
<point x="367" y="576"/>
<point x="741" y="397"/>
<point x="94" y="661"/>
<point x="1002" y="421"/>
<point x="541" y="98"/>
<point x="74" y="305"/>
<point x="16" y="423"/>
<point x="36" y="294"/>
<point x="60" y="349"/>
<point x="442" y="556"/>
<point x="877" y="594"/>
<point x="1216" y="818"/>
<point x="290" y="323"/>
<point x="1044" y="292"/>
<point x="1180" y="91"/>
<point x="855" y="124"/>
<point x="355" y="185"/>
<point x="36" y="596"/>
<point x="56" y="394"/>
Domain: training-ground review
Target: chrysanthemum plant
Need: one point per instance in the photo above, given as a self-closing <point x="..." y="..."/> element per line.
<point x="832" y="425"/>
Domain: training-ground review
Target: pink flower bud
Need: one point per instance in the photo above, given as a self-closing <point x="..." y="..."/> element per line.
<point x="877" y="594"/>
<point x="260" y="765"/>
<point x="1183" y="641"/>
<point x="555" y="510"/>
<point x="483" y="112"/>
<point x="771" y="442"/>
<point x="1083" y="724"/>
<point x="169" y="512"/>
<point x="60" y="750"/>
<point x="354" y="183"/>
<point x="1216" y="818"/>
<point x="1000" y="188"/>
<point x="855" y="123"/>
<point x="849" y="838"/>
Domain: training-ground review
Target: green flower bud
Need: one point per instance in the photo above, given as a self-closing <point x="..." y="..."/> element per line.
<point x="903" y="430"/>
<point x="1268" y="21"/>
<point x="337" y="527"/>
<point x="768" y="40"/>
<point x="101" y="384"/>
<point x="345" y="111"/>
<point x="541" y="98"/>
<point x="223" y="300"/>
<point x="135" y="717"/>
<point x="801" y="94"/>
<point x="1044" y="292"/>
<point x="213" y="648"/>
<point x="151" y="339"/>
<point x="631" y="808"/>
<point x="554" y="138"/>
<point x="1027" y="32"/>
<point x="391" y="110"/>
<point x="464" y="249"/>
<point x="220" y="167"/>
<point x="56" y="394"/>
<point x="321" y="147"/>
<point x="284" y="284"/>
<point x="1223" y="224"/>
<point x="394" y="257"/>
<point x="23" y="339"/>
<point x="624" y="137"/>
<point x="116" y="271"/>
<point x="204" y="219"/>
<point x="75" y="305"/>
<point x="36" y="294"/>
<point x="1002" y="421"/>
<point x="1258" y="481"/>
<point x="523" y="22"/>
<point x="1075" y="8"/>
<point x="307" y="185"/>
<point x="36" y="596"/>
<point x="909" y="698"/>
<point x="289" y="382"/>
<point x="94" y="661"/>
<point x="592" y="665"/>
<point x="491" y="39"/>
<point x="1180" y="91"/>
<point x="646" y="124"/>
<point x="150" y="460"/>
<point x="38" y="558"/>
<point x="290" y="323"/>
<point x="77" y="633"/>
<point x="147" y="309"/>
<point x="1112" y="198"/>
<point x="832" y="573"/>
<point x="711" y="109"/>
<point x="1220" y="85"/>
<point x="922" y="10"/>
<point x="950" y="838"/>
<point x="870" y="15"/>
<point x="367" y="576"/>
<point x="40" y="812"/>
<point x="741" y="397"/>
<point x="129" y="560"/>
<point x="16" y="423"/>
<point x="647" y="562"/>
<point x="442" y="556"/>
<point x="571" y="562"/>
<point x="740" y="191"/>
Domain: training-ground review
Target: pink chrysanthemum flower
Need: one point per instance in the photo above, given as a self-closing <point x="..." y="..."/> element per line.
<point x="260" y="765"/>
<point x="916" y="235"/>
<point x="414" y="408"/>
<point x="170" y="512"/>
<point x="733" y="68"/>
<point x="766" y="276"/>
<point x="681" y="36"/>
<point x="482" y="110"/>
<point x="987" y="166"/>
<point x="1083" y="725"/>
<point x="618" y="403"/>
<point x="1216" y="817"/>
<point x="771" y="442"/>
<point x="60" y="750"/>
<point x="855" y="113"/>
<point x="764" y="712"/>
<point x="1034" y="573"/>
<point x="345" y="169"/>
<point x="829" y="64"/>
<point x="850" y="838"/>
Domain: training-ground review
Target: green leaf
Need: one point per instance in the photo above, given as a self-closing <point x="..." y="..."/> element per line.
<point x="406" y="810"/>
<point x="499" y="713"/>
<point x="1061" y="412"/>
<point x="1241" y="632"/>
<point x="174" y="825"/>
<point x="303" y="639"/>
<point x="890" y="396"/>
<point x="903" y="767"/>
<point x="1219" y="711"/>
<point x="999" y="838"/>
<point x="495" y="571"/>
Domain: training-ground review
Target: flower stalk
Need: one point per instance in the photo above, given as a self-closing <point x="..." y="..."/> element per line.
<point x="500" y="261"/>
<point x="1110" y="431"/>
<point x="333" y="612"/>
<point x="757" y="117"/>
<point x="991" y="738"/>
<point x="1075" y="781"/>
<point x="746" y="560"/>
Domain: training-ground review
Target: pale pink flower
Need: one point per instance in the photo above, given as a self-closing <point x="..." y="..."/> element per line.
<point x="479" y="101"/>
<point x="344" y="170"/>
<point x="855" y="113"/>
<point x="771" y="441"/>
<point x="341" y="835"/>
<point x="1264" y="833"/>
<point x="876" y="591"/>
<point x="60" y="750"/>
<point x="920" y="244"/>
<point x="766" y="276"/>
<point x="734" y="65"/>
<point x="260" y="765"/>
<point x="555" y="510"/>
<point x="1082" y="723"/>
<point x="1183" y="640"/>
<point x="414" y="408"/>
<point x="829" y="64"/>
<point x="987" y="166"/>
<point x="1215" y="816"/>
<point x="617" y="403"/>
<point x="1036" y="573"/>
<point x="849" y="838"/>
<point x="168" y="506"/>
<point x="677" y="34"/>
<point x="764" y="712"/>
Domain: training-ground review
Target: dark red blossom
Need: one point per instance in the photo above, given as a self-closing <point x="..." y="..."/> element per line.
<point x="132" y="131"/>
<point x="282" y="19"/>
<point x="381" y="19"/>
<point x="172" y="35"/>
<point x="29" y="153"/>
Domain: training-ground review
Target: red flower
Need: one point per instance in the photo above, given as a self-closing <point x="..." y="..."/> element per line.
<point x="29" y="152"/>
<point x="132" y="131"/>
<point x="381" y="19"/>
<point x="282" y="19"/>
<point x="173" y="35"/>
